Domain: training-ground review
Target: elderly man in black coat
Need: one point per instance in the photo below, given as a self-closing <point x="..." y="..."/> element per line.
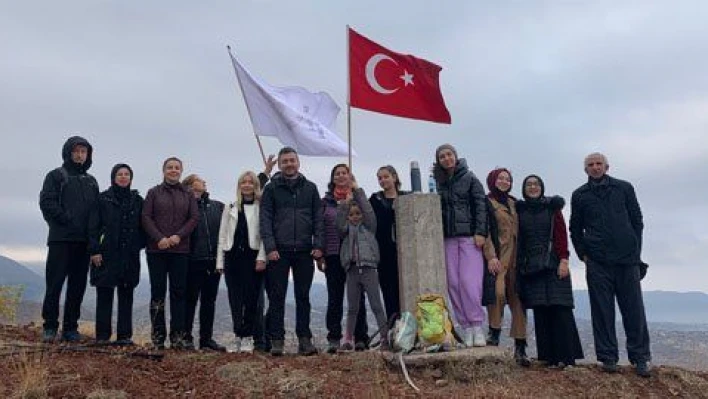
<point x="606" y="230"/>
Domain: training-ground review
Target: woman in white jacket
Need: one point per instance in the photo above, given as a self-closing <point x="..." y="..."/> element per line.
<point x="241" y="257"/>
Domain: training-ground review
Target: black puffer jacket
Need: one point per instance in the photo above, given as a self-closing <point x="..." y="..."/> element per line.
<point x="68" y="195"/>
<point x="116" y="234"/>
<point x="606" y="222"/>
<point x="536" y="230"/>
<point x="462" y="198"/>
<point x="205" y="236"/>
<point x="291" y="215"/>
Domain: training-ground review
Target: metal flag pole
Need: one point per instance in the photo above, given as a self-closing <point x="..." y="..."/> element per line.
<point x="349" y="107"/>
<point x="258" y="139"/>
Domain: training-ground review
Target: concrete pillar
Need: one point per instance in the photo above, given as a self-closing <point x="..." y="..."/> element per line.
<point x="421" y="256"/>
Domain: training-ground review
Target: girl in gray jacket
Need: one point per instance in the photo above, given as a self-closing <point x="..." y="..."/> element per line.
<point x="359" y="255"/>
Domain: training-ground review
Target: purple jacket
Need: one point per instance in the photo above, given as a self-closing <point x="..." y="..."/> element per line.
<point x="329" y="211"/>
<point x="169" y="210"/>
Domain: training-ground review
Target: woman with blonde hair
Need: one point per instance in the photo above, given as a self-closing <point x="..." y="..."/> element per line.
<point x="241" y="257"/>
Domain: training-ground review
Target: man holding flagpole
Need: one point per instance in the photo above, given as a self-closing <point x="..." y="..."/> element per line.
<point x="293" y="235"/>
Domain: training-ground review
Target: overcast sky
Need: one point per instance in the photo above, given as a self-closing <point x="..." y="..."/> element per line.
<point x="533" y="86"/>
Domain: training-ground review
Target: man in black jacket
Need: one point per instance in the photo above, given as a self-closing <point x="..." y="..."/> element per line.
<point x="606" y="229"/>
<point x="292" y="232"/>
<point x="67" y="197"/>
<point x="203" y="279"/>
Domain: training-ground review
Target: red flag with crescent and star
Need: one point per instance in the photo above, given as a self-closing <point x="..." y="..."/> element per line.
<point x="391" y="83"/>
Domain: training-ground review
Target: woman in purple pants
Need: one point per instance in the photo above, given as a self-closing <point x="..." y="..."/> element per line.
<point x="464" y="214"/>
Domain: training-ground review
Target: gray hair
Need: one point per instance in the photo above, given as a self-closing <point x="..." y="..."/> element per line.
<point x="595" y="155"/>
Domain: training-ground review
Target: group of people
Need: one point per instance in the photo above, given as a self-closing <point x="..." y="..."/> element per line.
<point x="498" y="251"/>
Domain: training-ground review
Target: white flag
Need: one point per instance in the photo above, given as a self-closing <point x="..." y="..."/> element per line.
<point x="297" y="117"/>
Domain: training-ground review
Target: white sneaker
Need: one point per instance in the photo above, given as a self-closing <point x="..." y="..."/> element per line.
<point x="247" y="345"/>
<point x="235" y="346"/>
<point x="478" y="339"/>
<point x="469" y="337"/>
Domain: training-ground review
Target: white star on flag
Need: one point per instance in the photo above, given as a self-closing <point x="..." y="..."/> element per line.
<point x="407" y="78"/>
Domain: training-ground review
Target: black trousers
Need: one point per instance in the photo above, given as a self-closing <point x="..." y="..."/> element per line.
<point x="336" y="283"/>
<point x="260" y="338"/>
<point x="557" y="338"/>
<point x="388" y="280"/>
<point x="277" y="272"/>
<point x="65" y="261"/>
<point x="104" y="312"/>
<point x="243" y="283"/>
<point x="164" y="266"/>
<point x="203" y="287"/>
<point x="605" y="283"/>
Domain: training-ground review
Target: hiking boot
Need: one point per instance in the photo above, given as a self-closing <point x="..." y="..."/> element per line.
<point x="347" y="346"/>
<point x="49" y="335"/>
<point x="493" y="336"/>
<point x="247" y="345"/>
<point x="332" y="346"/>
<point x="642" y="369"/>
<point x="182" y="344"/>
<point x="305" y="347"/>
<point x="478" y="339"/>
<point x="210" y="344"/>
<point x="520" y="353"/>
<point x="103" y="342"/>
<point x="360" y="346"/>
<point x="610" y="366"/>
<point x="70" y="336"/>
<point x="158" y="345"/>
<point x="276" y="348"/>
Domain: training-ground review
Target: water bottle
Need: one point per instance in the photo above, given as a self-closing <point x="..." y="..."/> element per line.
<point x="431" y="183"/>
<point x="415" y="177"/>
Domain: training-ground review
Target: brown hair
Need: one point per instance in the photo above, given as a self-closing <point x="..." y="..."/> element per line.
<point x="390" y="169"/>
<point x="164" y="164"/>
<point x="189" y="180"/>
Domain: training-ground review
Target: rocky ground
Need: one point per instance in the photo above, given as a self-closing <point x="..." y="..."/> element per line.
<point x="30" y="369"/>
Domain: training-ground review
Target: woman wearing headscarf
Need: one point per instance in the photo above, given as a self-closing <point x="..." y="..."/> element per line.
<point x="500" y="254"/>
<point x="464" y="215"/>
<point x="340" y="189"/>
<point x="544" y="276"/>
<point x="115" y="241"/>
<point x="170" y="214"/>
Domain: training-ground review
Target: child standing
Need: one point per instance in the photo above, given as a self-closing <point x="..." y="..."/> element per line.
<point x="359" y="255"/>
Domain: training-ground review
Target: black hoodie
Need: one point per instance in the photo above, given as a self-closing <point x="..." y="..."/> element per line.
<point x="68" y="194"/>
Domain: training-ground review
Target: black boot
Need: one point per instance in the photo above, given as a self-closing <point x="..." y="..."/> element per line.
<point x="305" y="347"/>
<point x="520" y="353"/>
<point x="277" y="348"/>
<point x="493" y="336"/>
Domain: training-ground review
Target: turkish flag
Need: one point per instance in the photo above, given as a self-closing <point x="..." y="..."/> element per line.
<point x="384" y="81"/>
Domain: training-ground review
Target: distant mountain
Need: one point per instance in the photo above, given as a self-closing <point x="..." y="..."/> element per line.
<point x="661" y="306"/>
<point x="14" y="273"/>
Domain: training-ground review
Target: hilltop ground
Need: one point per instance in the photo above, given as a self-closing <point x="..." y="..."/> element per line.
<point x="30" y="369"/>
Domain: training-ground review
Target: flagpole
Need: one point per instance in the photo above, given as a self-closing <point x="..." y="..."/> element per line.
<point x="258" y="139"/>
<point x="349" y="107"/>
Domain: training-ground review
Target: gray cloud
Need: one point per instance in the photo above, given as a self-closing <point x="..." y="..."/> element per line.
<point x="532" y="86"/>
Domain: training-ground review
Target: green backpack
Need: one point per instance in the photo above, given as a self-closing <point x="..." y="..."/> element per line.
<point x="434" y="324"/>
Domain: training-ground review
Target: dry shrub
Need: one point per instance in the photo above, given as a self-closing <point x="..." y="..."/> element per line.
<point x="481" y="371"/>
<point x="253" y="378"/>
<point x="107" y="394"/>
<point x="683" y="382"/>
<point x="10" y="296"/>
<point x="247" y="376"/>
<point x="33" y="376"/>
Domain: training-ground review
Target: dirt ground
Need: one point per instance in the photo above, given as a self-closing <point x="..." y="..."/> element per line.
<point x="32" y="370"/>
